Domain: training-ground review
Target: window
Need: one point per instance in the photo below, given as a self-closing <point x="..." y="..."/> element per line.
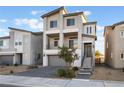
<point x="20" y="43"/>
<point x="56" y="43"/>
<point x="122" y="55"/>
<point x="87" y="30"/>
<point x="111" y="55"/>
<point x="53" y="24"/>
<point x="122" y="34"/>
<point x="1" y="42"/>
<point x="16" y="43"/>
<point x="70" y="22"/>
<point x="107" y="45"/>
<point x="90" y="30"/>
<point x="71" y="43"/>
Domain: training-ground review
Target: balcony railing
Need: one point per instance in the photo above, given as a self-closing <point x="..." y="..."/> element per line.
<point x="7" y="50"/>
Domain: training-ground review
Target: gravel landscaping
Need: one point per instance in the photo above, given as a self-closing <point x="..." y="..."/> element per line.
<point x="5" y="70"/>
<point x="103" y="72"/>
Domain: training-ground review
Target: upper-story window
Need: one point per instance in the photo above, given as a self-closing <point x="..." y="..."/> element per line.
<point x="122" y="56"/>
<point x="70" y="22"/>
<point x="1" y="42"/>
<point x="20" y="43"/>
<point x="107" y="45"/>
<point x="53" y="24"/>
<point x="16" y="43"/>
<point x="89" y="30"/>
<point x="122" y="34"/>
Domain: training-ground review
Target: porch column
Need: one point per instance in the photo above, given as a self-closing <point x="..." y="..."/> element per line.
<point x="79" y="50"/>
<point x="61" y="35"/>
<point x="14" y="58"/>
<point x="45" y="43"/>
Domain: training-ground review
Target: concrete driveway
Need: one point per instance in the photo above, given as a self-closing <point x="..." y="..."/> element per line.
<point x="47" y="72"/>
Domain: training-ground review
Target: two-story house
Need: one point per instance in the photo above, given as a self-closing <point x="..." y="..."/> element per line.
<point x="72" y="30"/>
<point x="21" y="47"/>
<point x="114" y="45"/>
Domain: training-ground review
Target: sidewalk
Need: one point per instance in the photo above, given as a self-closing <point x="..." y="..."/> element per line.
<point x="48" y="82"/>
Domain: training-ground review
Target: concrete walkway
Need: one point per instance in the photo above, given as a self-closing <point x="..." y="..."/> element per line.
<point x="48" y="82"/>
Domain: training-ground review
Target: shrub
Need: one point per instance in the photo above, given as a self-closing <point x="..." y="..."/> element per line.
<point x="15" y="64"/>
<point x="75" y="69"/>
<point x="70" y="73"/>
<point x="11" y="71"/>
<point x="61" y="72"/>
<point x="7" y="64"/>
<point x="123" y="69"/>
<point x="66" y="73"/>
<point x="32" y="66"/>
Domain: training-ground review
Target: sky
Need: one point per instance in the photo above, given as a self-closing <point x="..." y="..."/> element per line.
<point x="29" y="18"/>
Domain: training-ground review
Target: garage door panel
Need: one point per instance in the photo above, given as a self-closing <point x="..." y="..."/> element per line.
<point x="56" y="61"/>
<point x="6" y="59"/>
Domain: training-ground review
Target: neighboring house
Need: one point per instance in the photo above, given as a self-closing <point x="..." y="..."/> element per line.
<point x="21" y="47"/>
<point x="72" y="30"/>
<point x="114" y="45"/>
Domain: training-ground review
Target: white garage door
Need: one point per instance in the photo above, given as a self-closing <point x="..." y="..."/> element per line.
<point x="56" y="61"/>
<point x="6" y="59"/>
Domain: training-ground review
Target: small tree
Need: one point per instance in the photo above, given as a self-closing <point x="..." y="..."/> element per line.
<point x="68" y="55"/>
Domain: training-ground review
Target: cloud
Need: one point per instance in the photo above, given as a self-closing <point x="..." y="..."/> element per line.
<point x="32" y="23"/>
<point x="87" y="13"/>
<point x="35" y="12"/>
<point x="100" y="27"/>
<point x="4" y="32"/>
<point x="3" y="20"/>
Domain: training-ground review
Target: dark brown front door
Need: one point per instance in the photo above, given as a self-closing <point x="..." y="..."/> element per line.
<point x="88" y="49"/>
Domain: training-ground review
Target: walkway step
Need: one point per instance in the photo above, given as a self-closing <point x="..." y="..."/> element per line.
<point x="84" y="73"/>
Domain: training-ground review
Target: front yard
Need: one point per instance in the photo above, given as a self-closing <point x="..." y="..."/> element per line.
<point x="106" y="73"/>
<point x="4" y="70"/>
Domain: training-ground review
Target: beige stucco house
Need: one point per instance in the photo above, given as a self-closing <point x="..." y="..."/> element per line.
<point x="72" y="30"/>
<point x="21" y="47"/>
<point x="114" y="45"/>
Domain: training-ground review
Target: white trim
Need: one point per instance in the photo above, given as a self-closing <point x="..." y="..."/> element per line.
<point x="87" y="42"/>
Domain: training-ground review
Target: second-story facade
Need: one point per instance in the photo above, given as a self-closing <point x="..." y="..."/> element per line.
<point x="72" y="30"/>
<point x="21" y="47"/>
<point x="114" y="45"/>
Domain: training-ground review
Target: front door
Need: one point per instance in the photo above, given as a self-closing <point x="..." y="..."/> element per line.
<point x="88" y="49"/>
<point x="88" y="55"/>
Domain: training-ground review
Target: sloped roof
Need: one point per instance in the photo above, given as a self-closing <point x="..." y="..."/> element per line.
<point x="72" y="14"/>
<point x="88" y="23"/>
<point x="54" y="11"/>
<point x="5" y="37"/>
<point x="22" y="30"/>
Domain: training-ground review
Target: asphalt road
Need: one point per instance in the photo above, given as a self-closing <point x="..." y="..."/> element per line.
<point x="6" y="85"/>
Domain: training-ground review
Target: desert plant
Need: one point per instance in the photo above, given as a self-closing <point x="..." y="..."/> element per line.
<point x="68" y="55"/>
<point x="75" y="68"/>
<point x="15" y="64"/>
<point x="7" y="64"/>
<point x="123" y="69"/>
<point x="11" y="71"/>
<point x="70" y="73"/>
<point x="66" y="73"/>
<point x="61" y="72"/>
<point x="32" y="66"/>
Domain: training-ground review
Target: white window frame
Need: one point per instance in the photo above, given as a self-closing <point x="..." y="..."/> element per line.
<point x="123" y="56"/>
<point x="2" y="43"/>
<point x="122" y="36"/>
